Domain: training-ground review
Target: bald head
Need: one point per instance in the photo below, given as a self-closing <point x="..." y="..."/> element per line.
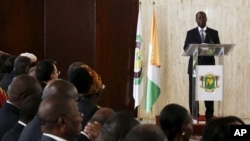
<point x="102" y="115"/>
<point x="53" y="107"/>
<point x="21" y="87"/>
<point x="117" y="126"/>
<point x="145" y="132"/>
<point x="61" y="87"/>
<point x="20" y="65"/>
<point x="59" y="115"/>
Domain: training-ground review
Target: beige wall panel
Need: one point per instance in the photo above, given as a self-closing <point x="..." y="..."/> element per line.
<point x="174" y="18"/>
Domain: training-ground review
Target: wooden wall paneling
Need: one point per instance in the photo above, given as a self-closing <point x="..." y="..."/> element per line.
<point x="99" y="33"/>
<point x="70" y="32"/>
<point x="115" y="43"/>
<point x="21" y="27"/>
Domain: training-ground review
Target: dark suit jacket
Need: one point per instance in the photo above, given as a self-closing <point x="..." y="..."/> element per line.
<point x="9" y="115"/>
<point x="193" y="37"/>
<point x="14" y="133"/>
<point x="81" y="137"/>
<point x="32" y="132"/>
<point x="46" y="138"/>
<point x="6" y="80"/>
<point x="87" y="109"/>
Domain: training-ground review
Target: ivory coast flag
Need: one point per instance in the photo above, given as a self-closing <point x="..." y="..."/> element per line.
<point x="137" y="86"/>
<point x="153" y="76"/>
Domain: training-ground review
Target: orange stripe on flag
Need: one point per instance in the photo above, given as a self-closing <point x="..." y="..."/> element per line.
<point x="155" y="58"/>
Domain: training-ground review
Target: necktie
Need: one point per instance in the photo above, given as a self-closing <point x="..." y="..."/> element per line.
<point x="202" y="36"/>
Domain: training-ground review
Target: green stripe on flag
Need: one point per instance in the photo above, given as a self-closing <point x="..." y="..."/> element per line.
<point x="153" y="92"/>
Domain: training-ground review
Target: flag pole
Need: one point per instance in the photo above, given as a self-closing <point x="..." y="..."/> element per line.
<point x="151" y="111"/>
<point x="151" y="115"/>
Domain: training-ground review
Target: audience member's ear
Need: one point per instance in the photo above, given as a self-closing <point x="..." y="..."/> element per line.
<point x="61" y="122"/>
<point x="183" y="130"/>
<point x="24" y="95"/>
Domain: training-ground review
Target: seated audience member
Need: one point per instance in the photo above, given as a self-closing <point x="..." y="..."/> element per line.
<point x="20" y="65"/>
<point x="96" y="122"/>
<point x="28" y="110"/>
<point x="6" y="67"/>
<point x="32" y="56"/>
<point x="72" y="67"/>
<point x="218" y="129"/>
<point x="145" y="132"/>
<point x="9" y="65"/>
<point x="176" y="122"/>
<point x="60" y="118"/>
<point x="116" y="127"/>
<point x="102" y="115"/>
<point x="70" y="75"/>
<point x="46" y="71"/>
<point x="31" y="69"/>
<point x="9" y="73"/>
<point x="3" y="57"/>
<point x="21" y="87"/>
<point x="32" y="132"/>
<point x="89" y="86"/>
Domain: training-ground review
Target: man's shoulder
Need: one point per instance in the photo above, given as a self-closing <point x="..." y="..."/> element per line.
<point x="211" y="29"/>
<point x="46" y="138"/>
<point x="193" y="29"/>
<point x="10" y="111"/>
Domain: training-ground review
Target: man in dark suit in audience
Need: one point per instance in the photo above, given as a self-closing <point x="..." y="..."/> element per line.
<point x="60" y="118"/>
<point x="145" y="132"/>
<point x="21" y="87"/>
<point x="94" y="125"/>
<point x="32" y="132"/>
<point x="28" y="110"/>
<point x="46" y="71"/>
<point x="20" y="65"/>
<point x="198" y="35"/>
<point x="116" y="127"/>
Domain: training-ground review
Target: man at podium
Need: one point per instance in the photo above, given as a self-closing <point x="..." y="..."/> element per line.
<point x="199" y="35"/>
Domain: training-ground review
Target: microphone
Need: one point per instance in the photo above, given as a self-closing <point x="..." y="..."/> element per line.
<point x="209" y="36"/>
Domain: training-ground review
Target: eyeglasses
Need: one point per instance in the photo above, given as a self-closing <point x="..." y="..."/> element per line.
<point x="75" y="116"/>
<point x="57" y="72"/>
<point x="103" y="86"/>
<point x="101" y="90"/>
<point x="79" y="114"/>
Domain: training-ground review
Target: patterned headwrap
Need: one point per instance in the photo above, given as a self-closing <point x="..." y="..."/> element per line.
<point x="96" y="85"/>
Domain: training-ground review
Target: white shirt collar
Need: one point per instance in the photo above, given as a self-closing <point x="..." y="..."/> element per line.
<point x="54" y="137"/>
<point x="12" y="104"/>
<point x="204" y="28"/>
<point x="22" y="123"/>
<point x="85" y="134"/>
